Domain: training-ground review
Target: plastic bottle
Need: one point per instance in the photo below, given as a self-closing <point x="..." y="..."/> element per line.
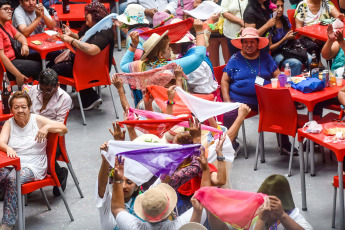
<point x="287" y="72"/>
<point x="5" y="96"/>
<point x="57" y="22"/>
<point x="314" y="67"/>
<point x="65" y="6"/>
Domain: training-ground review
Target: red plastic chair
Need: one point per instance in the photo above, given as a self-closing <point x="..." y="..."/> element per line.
<point x="64" y="158"/>
<point x="50" y="180"/>
<point x="218" y="73"/>
<point x="335" y="185"/>
<point x="89" y="71"/>
<point x="291" y="13"/>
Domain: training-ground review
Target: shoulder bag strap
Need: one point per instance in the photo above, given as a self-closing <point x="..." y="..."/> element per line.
<point x="10" y="37"/>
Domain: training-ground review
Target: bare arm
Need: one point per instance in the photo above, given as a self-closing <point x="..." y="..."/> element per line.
<point x="4" y="137"/>
<point x="219" y="178"/>
<point x="11" y="68"/>
<point x="197" y="210"/>
<point x="243" y="111"/>
<point x="171" y="95"/>
<point x="87" y="48"/>
<point x="50" y="126"/>
<point x="276" y="73"/>
<point x="50" y="23"/>
<point x="330" y="50"/>
<point x="232" y="18"/>
<point x="289" y="35"/>
<point x="341" y="96"/>
<point x="27" y="30"/>
<point x="263" y="28"/>
<point x="103" y="173"/>
<point x="197" y="3"/>
<point x="117" y="82"/>
<point x="224" y="86"/>
<point x="299" y="23"/>
<point x="117" y="199"/>
<point x="335" y="12"/>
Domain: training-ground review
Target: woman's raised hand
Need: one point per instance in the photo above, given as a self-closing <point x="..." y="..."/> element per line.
<point x="25" y="50"/>
<point x="68" y="31"/>
<point x="289" y="35"/>
<point x="104" y="146"/>
<point x="11" y="153"/>
<point x="116" y="81"/>
<point x="198" y="25"/>
<point x="119" y="168"/>
<point x="271" y="22"/>
<point x="135" y="37"/>
<point x="117" y="133"/>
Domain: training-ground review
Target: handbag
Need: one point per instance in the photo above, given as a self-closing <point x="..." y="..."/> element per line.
<point x="63" y="57"/>
<point x="309" y="85"/>
<point x="294" y="49"/>
<point x="16" y="45"/>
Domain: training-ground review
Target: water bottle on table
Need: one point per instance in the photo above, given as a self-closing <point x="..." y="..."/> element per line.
<point x="287" y="72"/>
<point x="57" y="22"/>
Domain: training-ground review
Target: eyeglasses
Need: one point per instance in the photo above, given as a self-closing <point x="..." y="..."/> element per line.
<point x="45" y="91"/>
<point x="6" y="9"/>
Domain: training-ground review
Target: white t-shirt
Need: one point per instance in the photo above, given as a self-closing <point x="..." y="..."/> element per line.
<point x="236" y="8"/>
<point x="201" y="80"/>
<point x="20" y="17"/>
<point x="127" y="221"/>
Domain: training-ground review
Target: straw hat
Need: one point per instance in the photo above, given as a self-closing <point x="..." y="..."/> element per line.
<point x="151" y="43"/>
<point x="134" y="14"/>
<point x="149" y="138"/>
<point x="160" y="17"/>
<point x="250" y="32"/>
<point x="278" y="185"/>
<point x="193" y="226"/>
<point x="187" y="38"/>
<point x="155" y="204"/>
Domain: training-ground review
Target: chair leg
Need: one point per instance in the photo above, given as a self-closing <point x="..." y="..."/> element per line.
<point x="75" y="179"/>
<point x="244" y="141"/>
<point x="257" y="153"/>
<point x="280" y="144"/>
<point x="45" y="199"/>
<point x="81" y="108"/>
<point x="262" y="148"/>
<point x="291" y="155"/>
<point x="26" y="199"/>
<point x="334" y="206"/>
<point x="23" y="209"/>
<point x="323" y="154"/>
<point x="66" y="204"/>
<point x="307" y="157"/>
<point x="112" y="98"/>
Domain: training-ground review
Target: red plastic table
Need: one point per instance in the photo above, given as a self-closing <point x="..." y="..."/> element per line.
<point x="310" y="100"/>
<point x="77" y="12"/>
<point x="315" y="31"/>
<point x="15" y="162"/>
<point x="46" y="47"/>
<point x="339" y="150"/>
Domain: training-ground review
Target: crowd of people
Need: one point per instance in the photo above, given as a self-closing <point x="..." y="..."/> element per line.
<point x="252" y="35"/>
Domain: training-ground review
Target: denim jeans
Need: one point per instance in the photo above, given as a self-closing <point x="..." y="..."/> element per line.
<point x="295" y="65"/>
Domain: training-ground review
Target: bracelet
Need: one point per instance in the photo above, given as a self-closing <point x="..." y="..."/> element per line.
<point x="207" y="32"/>
<point x="133" y="45"/>
<point x="170" y="102"/>
<point x="202" y="32"/>
<point x="220" y="158"/>
<point x="24" y="44"/>
<point x="118" y="181"/>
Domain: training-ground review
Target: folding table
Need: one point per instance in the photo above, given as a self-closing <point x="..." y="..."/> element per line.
<point x="314" y="31"/>
<point x="77" y="12"/>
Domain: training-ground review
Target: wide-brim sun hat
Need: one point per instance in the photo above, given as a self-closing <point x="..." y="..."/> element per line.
<point x="134" y="14"/>
<point x="151" y="43"/>
<point x="278" y="185"/>
<point x="156" y="204"/>
<point x="193" y="226"/>
<point x="250" y="32"/>
<point x="187" y="38"/>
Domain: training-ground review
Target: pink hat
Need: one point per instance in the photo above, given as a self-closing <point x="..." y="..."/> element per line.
<point x="250" y="32"/>
<point x="161" y="19"/>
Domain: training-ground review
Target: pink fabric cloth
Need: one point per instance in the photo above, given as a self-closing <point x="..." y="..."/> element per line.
<point x="158" y="76"/>
<point x="57" y="107"/>
<point x="187" y="5"/>
<point x="237" y="208"/>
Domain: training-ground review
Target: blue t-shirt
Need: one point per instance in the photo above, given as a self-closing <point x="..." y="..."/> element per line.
<point x="280" y="32"/>
<point x="242" y="73"/>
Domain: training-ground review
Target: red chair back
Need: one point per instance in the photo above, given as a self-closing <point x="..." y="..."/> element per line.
<point x="218" y="73"/>
<point x="90" y="71"/>
<point x="291" y="13"/>
<point x="62" y="144"/>
<point x="277" y="111"/>
<point x="52" y="141"/>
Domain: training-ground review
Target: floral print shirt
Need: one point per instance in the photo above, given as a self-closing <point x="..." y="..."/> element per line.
<point x="308" y="18"/>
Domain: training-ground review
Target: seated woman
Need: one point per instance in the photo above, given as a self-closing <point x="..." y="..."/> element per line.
<point x="24" y="136"/>
<point x="282" y="33"/>
<point x="243" y="70"/>
<point x="17" y="69"/>
<point x="94" y="12"/>
<point x="311" y="12"/>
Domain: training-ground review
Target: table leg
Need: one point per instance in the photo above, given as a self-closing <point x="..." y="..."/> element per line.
<point x="44" y="64"/>
<point x="301" y="168"/>
<point x="117" y="8"/>
<point x="20" y="205"/>
<point x="341" y="194"/>
<point x="312" y="157"/>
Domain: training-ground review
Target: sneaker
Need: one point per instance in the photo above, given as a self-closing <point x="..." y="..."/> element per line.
<point x="93" y="105"/>
<point x="63" y="182"/>
<point x="236" y="147"/>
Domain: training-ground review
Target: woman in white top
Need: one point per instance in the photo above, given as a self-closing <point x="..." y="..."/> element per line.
<point x="24" y="136"/>
<point x="232" y="11"/>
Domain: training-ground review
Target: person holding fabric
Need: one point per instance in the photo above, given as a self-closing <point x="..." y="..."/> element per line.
<point x="24" y="135"/>
<point x="93" y="45"/>
<point x="258" y="15"/>
<point x="31" y="18"/>
<point x="243" y="70"/>
<point x="158" y="52"/>
<point x="281" y="34"/>
<point x="232" y="11"/>
<point x="17" y="69"/>
<point x="104" y="188"/>
<point x="52" y="102"/>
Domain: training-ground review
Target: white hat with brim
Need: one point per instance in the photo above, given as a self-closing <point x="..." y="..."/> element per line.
<point x="193" y="226"/>
<point x="156" y="204"/>
<point x="187" y="38"/>
<point x="151" y="43"/>
<point x="150" y="138"/>
<point x="134" y="14"/>
<point x="250" y="32"/>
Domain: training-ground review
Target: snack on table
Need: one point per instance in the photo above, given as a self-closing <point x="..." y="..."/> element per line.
<point x="297" y="79"/>
<point x="334" y="131"/>
<point x="37" y="42"/>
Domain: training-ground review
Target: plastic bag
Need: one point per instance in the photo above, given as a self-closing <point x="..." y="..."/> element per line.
<point x="337" y="138"/>
<point x="312" y="127"/>
<point x="309" y="85"/>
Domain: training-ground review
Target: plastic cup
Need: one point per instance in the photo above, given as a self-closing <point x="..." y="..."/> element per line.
<point x="339" y="81"/>
<point x="282" y="80"/>
<point x="274" y="82"/>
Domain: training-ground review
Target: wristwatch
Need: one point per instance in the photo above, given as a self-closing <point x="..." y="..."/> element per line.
<point x="118" y="181"/>
<point x="220" y="158"/>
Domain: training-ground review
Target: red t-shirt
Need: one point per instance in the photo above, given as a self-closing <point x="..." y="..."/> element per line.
<point x="5" y="42"/>
<point x="193" y="185"/>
